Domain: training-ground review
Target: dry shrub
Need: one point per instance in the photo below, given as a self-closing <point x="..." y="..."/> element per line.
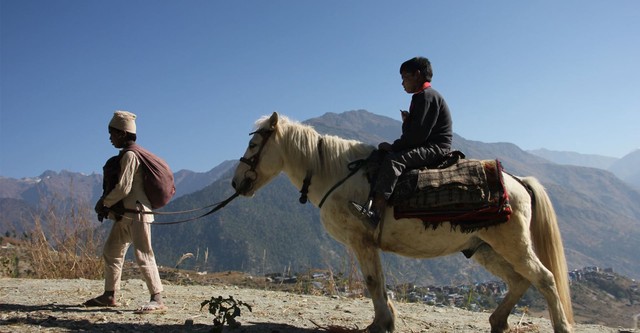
<point x="351" y="283"/>
<point x="64" y="243"/>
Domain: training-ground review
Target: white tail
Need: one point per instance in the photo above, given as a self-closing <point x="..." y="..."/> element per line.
<point x="547" y="242"/>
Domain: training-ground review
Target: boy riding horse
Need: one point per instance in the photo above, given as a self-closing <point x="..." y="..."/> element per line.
<point x="426" y="136"/>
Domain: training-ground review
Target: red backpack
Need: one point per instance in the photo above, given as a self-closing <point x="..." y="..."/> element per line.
<point x="158" y="178"/>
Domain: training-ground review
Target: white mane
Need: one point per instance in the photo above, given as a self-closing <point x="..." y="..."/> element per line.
<point x="300" y="143"/>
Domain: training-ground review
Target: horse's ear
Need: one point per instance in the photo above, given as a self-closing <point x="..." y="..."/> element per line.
<point x="273" y="121"/>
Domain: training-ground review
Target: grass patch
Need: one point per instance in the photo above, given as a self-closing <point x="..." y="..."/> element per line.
<point x="62" y="243"/>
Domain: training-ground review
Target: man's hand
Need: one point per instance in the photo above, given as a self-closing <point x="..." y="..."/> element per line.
<point x="101" y="210"/>
<point x="99" y="206"/>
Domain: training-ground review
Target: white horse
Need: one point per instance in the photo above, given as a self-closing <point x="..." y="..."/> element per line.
<point x="523" y="251"/>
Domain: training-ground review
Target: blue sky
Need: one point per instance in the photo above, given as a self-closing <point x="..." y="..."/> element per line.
<point x="560" y="75"/>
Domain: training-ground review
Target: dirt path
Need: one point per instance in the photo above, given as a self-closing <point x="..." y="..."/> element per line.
<point x="29" y="305"/>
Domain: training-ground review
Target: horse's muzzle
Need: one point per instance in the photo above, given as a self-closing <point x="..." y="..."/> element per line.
<point x="243" y="187"/>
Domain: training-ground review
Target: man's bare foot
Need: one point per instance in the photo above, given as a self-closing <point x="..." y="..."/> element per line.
<point x="151" y="307"/>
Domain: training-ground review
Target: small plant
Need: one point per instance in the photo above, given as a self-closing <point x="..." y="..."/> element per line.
<point x="225" y="310"/>
<point x="9" y="266"/>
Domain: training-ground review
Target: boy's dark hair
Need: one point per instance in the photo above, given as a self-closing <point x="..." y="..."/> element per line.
<point x="421" y="64"/>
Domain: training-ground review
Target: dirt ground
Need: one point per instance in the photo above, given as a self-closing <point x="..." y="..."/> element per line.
<point x="31" y="305"/>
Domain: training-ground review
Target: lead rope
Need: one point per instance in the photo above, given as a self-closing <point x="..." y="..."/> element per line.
<point x="218" y="206"/>
<point x="152" y="212"/>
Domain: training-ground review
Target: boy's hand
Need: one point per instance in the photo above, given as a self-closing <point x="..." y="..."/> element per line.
<point x="404" y="114"/>
<point x="385" y="146"/>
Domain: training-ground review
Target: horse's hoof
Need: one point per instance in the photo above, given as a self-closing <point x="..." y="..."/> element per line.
<point x="373" y="328"/>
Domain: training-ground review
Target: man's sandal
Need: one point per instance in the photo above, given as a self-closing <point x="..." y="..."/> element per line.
<point x="96" y="302"/>
<point x="151" y="307"/>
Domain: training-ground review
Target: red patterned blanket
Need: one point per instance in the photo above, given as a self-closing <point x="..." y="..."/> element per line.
<point x="469" y="194"/>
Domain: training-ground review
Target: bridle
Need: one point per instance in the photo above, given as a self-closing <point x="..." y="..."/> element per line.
<point x="250" y="176"/>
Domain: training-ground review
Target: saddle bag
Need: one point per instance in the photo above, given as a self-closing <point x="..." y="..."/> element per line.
<point x="469" y="194"/>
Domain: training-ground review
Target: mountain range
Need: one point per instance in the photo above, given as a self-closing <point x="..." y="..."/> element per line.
<point x="595" y="198"/>
<point x="625" y="168"/>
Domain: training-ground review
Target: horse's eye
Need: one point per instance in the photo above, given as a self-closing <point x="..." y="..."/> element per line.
<point x="252" y="145"/>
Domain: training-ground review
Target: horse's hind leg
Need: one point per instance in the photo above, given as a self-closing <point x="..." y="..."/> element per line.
<point x="371" y="268"/>
<point x="516" y="284"/>
<point x="525" y="262"/>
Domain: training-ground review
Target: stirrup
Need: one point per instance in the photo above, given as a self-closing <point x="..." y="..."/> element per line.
<point x="369" y="216"/>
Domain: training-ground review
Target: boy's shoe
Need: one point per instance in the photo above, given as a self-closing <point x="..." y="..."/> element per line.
<point x="368" y="216"/>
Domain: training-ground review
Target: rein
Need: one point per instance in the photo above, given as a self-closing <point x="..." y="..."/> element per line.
<point x="217" y="207"/>
<point x="353" y="167"/>
<point x="152" y="212"/>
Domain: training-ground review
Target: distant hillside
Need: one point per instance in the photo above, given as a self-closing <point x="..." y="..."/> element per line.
<point x="249" y="234"/>
<point x="62" y="186"/>
<point x="65" y="191"/>
<point x="16" y="216"/>
<point x="577" y="159"/>
<point x="598" y="216"/>
<point x="628" y="168"/>
<point x="358" y="125"/>
<point x="188" y="181"/>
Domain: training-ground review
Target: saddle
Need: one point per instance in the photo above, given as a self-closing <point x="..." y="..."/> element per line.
<point x="470" y="194"/>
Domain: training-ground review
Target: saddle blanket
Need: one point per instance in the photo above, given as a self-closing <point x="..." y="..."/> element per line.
<point x="469" y="194"/>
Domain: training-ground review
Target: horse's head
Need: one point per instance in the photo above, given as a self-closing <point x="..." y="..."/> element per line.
<point x="262" y="160"/>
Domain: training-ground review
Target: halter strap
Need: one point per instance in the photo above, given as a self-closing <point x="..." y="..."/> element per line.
<point x="307" y="179"/>
<point x="252" y="161"/>
<point x="305" y="187"/>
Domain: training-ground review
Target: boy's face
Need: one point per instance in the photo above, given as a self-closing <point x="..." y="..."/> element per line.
<point x="117" y="138"/>
<point x="411" y="82"/>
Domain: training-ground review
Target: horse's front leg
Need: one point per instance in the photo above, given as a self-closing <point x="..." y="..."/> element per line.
<point x="371" y="267"/>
